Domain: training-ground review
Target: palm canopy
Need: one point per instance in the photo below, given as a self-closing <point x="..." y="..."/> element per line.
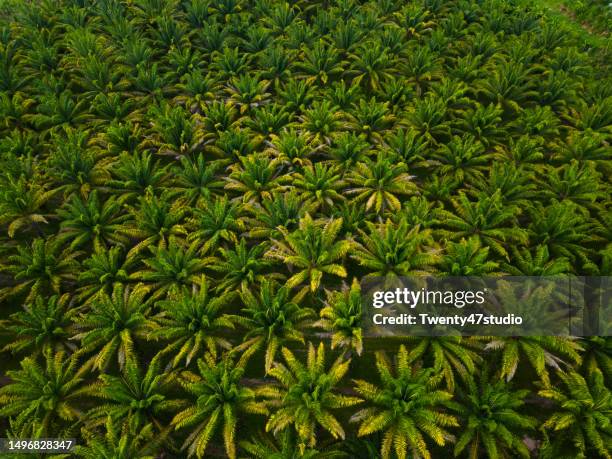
<point x="407" y="406"/>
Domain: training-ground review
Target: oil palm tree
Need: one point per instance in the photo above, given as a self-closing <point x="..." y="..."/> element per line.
<point x="313" y="249"/>
<point x="394" y="250"/>
<point x="407" y="406"/>
<point x="135" y="398"/>
<point x="217" y="400"/>
<point x="22" y="204"/>
<point x="191" y="321"/>
<point x="490" y="411"/>
<point x="486" y="218"/>
<point x="41" y="267"/>
<point x="307" y="396"/>
<point x="116" y="443"/>
<point x="89" y="221"/>
<point x="271" y="319"/>
<point x="580" y="426"/>
<point x="43" y="325"/>
<point x="171" y="267"/>
<point x="380" y="183"/>
<point x="50" y="395"/>
<point x="112" y="324"/>
<point x="342" y="317"/>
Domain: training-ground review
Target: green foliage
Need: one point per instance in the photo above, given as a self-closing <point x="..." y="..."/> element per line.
<point x="189" y="186"/>
<point x="406" y="405"/>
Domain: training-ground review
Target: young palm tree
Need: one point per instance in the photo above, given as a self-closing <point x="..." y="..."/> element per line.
<point x="307" y="396"/>
<point x="467" y="258"/>
<point x="217" y="221"/>
<point x="394" y="250"/>
<point x="342" y="316"/>
<point x="102" y="270"/>
<point x="464" y="158"/>
<point x="22" y="204"/>
<point x="254" y="178"/>
<point x="135" y="398"/>
<point x="196" y="180"/>
<point x="154" y="222"/>
<point x="242" y="266"/>
<point x="313" y="250"/>
<point x="380" y="183"/>
<point x="490" y="412"/>
<point x="270" y="217"/>
<point x="112" y="324"/>
<point x="89" y="221"/>
<point x="563" y="229"/>
<point x="581" y="425"/>
<point x="319" y="186"/>
<point x="50" y="395"/>
<point x="43" y="325"/>
<point x="449" y="356"/>
<point x="191" y="321"/>
<point x="271" y="319"/>
<point x="493" y="223"/>
<point x="40" y="267"/>
<point x="218" y="398"/>
<point x="117" y="443"/>
<point x="540" y="351"/>
<point x="406" y="406"/>
<point x="171" y="267"/>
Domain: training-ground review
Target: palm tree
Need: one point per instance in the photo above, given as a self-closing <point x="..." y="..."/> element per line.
<point x="134" y="399"/>
<point x="536" y="262"/>
<point x="493" y="223"/>
<point x="242" y="266"/>
<point x="116" y="443"/>
<point x="42" y="267"/>
<point x="92" y="222"/>
<point x="271" y="319"/>
<point x="171" y="267"/>
<point x="540" y="351"/>
<point x="218" y="397"/>
<point x="597" y="356"/>
<point x="112" y="324"/>
<point x="467" y="258"/>
<point x="218" y="220"/>
<point x="254" y="178"/>
<point x="394" y="250"/>
<point x="136" y="173"/>
<point x="581" y="425"/>
<point x="463" y="158"/>
<point x="380" y="183"/>
<point x="319" y="186"/>
<point x="102" y="270"/>
<point x="154" y="222"/>
<point x="406" y="406"/>
<point x="282" y="211"/>
<point x="43" y="325"/>
<point x="342" y="316"/>
<point x="190" y="321"/>
<point x="196" y="180"/>
<point x="321" y="63"/>
<point x="313" y="250"/>
<point x="22" y="204"/>
<point x="447" y="355"/>
<point x="490" y="413"/>
<point x="563" y="229"/>
<point x="51" y="395"/>
<point x="307" y="397"/>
